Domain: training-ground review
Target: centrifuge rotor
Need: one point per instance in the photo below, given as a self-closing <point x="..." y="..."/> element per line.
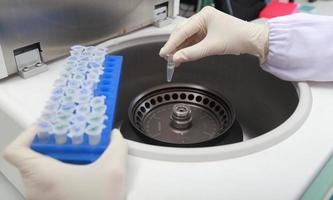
<point x="181" y="115"/>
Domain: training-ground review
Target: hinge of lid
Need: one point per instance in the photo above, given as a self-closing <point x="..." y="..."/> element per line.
<point x="161" y="14"/>
<point x="29" y="61"/>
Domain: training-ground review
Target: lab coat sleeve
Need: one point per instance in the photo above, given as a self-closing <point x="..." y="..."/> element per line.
<point x="301" y="48"/>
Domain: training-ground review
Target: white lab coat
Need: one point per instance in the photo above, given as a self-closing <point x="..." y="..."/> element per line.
<point x="301" y="47"/>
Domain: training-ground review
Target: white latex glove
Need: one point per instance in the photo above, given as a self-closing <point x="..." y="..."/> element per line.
<point x="47" y="178"/>
<point x="211" y="32"/>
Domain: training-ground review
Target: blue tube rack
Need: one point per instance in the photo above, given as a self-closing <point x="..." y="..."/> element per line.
<point x="85" y="153"/>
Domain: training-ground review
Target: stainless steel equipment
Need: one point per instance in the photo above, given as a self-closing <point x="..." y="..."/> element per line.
<point x="34" y="32"/>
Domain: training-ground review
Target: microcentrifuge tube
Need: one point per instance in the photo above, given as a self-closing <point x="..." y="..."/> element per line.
<point x="61" y="82"/>
<point x="94" y="133"/>
<point x="78" y="48"/>
<point x="170" y="67"/>
<point x="96" y="118"/>
<point x="74" y="83"/>
<point x="99" y="59"/>
<point x="83" y="109"/>
<point x="70" y="91"/>
<point x="74" y="53"/>
<point x="79" y="118"/>
<point x="79" y="77"/>
<point x="93" y="77"/>
<point x="73" y="58"/>
<point x="97" y="71"/>
<point x="85" y="91"/>
<point x="51" y="107"/>
<point x="68" y="99"/>
<point x="77" y="132"/>
<point x="82" y="98"/>
<point x="99" y="109"/>
<point x="97" y="101"/>
<point x="68" y="108"/>
<point x="56" y="98"/>
<point x="63" y="117"/>
<point x="58" y="91"/>
<point x="88" y="84"/>
<point x="60" y="131"/>
<point x="43" y="130"/>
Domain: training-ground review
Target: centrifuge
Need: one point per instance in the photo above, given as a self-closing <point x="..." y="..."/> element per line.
<point x="222" y="129"/>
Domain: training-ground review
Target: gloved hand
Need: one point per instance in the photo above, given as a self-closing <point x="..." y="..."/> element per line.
<point x="211" y="32"/>
<point x="47" y="178"/>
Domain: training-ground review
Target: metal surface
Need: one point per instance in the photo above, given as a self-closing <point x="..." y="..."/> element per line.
<point x="181" y="115"/>
<point x="262" y="101"/>
<point x="57" y="25"/>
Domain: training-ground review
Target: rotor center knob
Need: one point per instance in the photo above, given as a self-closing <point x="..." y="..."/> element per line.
<point x="181" y="117"/>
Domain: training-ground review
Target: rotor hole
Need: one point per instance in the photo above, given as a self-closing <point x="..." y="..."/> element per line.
<point x="142" y="109"/>
<point x="222" y="112"/>
<point x="198" y="99"/>
<point x="224" y="117"/>
<point x="212" y="104"/>
<point x="147" y="105"/>
<point x="175" y="96"/>
<point x="152" y="102"/>
<point x="138" y="119"/>
<point x="183" y="96"/>
<point x="190" y="97"/>
<point x="139" y="113"/>
<point x="159" y="99"/>
<point x="205" y="101"/>
<point x="217" y="108"/>
<point x="167" y="97"/>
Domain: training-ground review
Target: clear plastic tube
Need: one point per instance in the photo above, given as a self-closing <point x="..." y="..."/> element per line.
<point x="68" y="99"/>
<point x="74" y="53"/>
<point x="65" y="75"/>
<point x="61" y="82"/>
<point x="79" y="118"/>
<point x="82" y="98"/>
<point x="99" y="59"/>
<point x="94" y="65"/>
<point x="97" y="101"/>
<point x="55" y="98"/>
<point x="93" y="77"/>
<point x="77" y="132"/>
<point x="86" y="91"/>
<point x="170" y="67"/>
<point x="83" y="109"/>
<point x="96" y="71"/>
<point x="81" y="69"/>
<point x="68" y="108"/>
<point x="44" y="128"/>
<point x="96" y="118"/>
<point x="63" y="117"/>
<point x="79" y="77"/>
<point x="100" y="110"/>
<point x="89" y="84"/>
<point x="51" y="107"/>
<point x="71" y="63"/>
<point x="73" y="58"/>
<point x="60" y="131"/>
<point x="58" y="91"/>
<point x="94" y="133"/>
<point x="78" y="48"/>
<point x="70" y="91"/>
<point x="74" y="83"/>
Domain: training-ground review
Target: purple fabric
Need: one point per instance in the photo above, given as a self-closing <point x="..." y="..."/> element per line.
<point x="301" y="47"/>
